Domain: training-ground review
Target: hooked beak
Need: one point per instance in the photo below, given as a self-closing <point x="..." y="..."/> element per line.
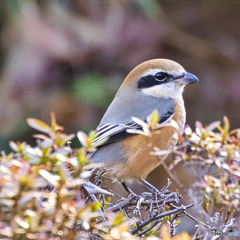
<point x="187" y="79"/>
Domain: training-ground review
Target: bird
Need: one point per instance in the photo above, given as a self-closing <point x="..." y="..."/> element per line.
<point x="156" y="84"/>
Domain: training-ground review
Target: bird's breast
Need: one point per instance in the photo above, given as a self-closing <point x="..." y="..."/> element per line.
<point x="138" y="149"/>
<point x="180" y="115"/>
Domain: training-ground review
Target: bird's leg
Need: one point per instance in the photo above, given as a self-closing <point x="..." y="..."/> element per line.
<point x="149" y="186"/>
<point x="152" y="188"/>
<point x="127" y="188"/>
<point x="139" y="198"/>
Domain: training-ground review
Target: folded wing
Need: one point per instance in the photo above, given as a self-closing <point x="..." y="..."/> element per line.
<point x="108" y="133"/>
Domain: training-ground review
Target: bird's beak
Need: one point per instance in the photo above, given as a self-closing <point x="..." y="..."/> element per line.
<point x="187" y="79"/>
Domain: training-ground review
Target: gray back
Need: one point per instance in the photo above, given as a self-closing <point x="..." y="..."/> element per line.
<point x="139" y="105"/>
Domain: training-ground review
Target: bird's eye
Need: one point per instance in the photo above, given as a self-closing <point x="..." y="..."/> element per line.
<point x="160" y="76"/>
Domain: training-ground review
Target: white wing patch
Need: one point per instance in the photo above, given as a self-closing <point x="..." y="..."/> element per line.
<point x="111" y="133"/>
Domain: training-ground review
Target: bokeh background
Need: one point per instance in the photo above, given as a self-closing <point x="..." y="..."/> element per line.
<point x="70" y="57"/>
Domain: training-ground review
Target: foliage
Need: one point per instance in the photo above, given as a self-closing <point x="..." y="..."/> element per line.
<point x="52" y="191"/>
<point x="213" y="154"/>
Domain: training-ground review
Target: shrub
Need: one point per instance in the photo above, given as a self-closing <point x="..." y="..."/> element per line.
<point x="52" y="191"/>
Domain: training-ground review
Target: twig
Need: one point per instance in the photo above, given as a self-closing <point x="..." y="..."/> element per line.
<point x="100" y="209"/>
<point x="149" y="228"/>
<point x="129" y="202"/>
<point x="101" y="173"/>
<point x="92" y="173"/>
<point x="193" y="218"/>
<point x="173" y="177"/>
<point x="149" y="220"/>
<point x="115" y="194"/>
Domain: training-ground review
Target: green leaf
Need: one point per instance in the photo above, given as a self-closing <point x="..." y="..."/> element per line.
<point x="154" y="116"/>
<point x="81" y="157"/>
<point x="205" y="204"/>
<point x="215" y="197"/>
<point x="226" y="124"/>
<point x="119" y="218"/>
<point x="95" y="207"/>
<point x="92" y="135"/>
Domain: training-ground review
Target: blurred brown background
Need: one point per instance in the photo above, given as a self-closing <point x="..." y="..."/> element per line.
<point x="70" y="57"/>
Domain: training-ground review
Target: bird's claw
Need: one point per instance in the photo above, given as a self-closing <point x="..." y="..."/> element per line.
<point x="154" y="190"/>
<point x="142" y="197"/>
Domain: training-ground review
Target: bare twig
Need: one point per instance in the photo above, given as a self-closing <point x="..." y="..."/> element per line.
<point x="149" y="228"/>
<point x="193" y="218"/>
<point x="130" y="202"/>
<point x="100" y="209"/>
<point x="174" y="177"/>
<point x="157" y="217"/>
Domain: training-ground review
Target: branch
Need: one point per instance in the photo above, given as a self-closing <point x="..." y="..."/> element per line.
<point x="151" y="219"/>
<point x="193" y="218"/>
<point x="131" y="201"/>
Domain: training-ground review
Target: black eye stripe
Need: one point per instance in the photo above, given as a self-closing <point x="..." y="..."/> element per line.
<point x="146" y="82"/>
<point x="157" y="79"/>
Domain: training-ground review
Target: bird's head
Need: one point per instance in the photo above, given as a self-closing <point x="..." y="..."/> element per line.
<point x="160" y="78"/>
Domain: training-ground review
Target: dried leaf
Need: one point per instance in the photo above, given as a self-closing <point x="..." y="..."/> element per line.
<point x="226" y="124"/>
<point x="212" y="126"/>
<point x="140" y="122"/>
<point x="165" y="233"/>
<point x="82" y="137"/>
<point x="21" y="222"/>
<point x="7" y="231"/>
<point x="73" y="183"/>
<point x="13" y="146"/>
<point x="53" y="120"/>
<point x="93" y="189"/>
<point x="45" y="143"/>
<point x="39" y="125"/>
<point x="135" y="131"/>
<point x="53" y="179"/>
<point x="205" y="204"/>
<point x="199" y="127"/>
<point x="188" y="130"/>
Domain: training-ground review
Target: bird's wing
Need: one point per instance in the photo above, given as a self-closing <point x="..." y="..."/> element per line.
<point x="108" y="133"/>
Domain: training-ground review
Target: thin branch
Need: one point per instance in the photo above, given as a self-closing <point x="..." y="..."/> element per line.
<point x="193" y="218"/>
<point x="100" y="209"/>
<point x="173" y="177"/>
<point x="149" y="228"/>
<point x="149" y="220"/>
<point x="130" y="202"/>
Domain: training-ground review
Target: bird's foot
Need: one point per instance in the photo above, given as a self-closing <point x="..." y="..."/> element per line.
<point x="157" y="193"/>
<point x="145" y="196"/>
<point x="154" y="195"/>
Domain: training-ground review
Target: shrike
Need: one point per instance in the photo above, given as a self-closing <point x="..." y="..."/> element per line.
<point x="154" y="84"/>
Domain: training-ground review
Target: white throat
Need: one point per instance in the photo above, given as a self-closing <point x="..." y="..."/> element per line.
<point x="166" y="90"/>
